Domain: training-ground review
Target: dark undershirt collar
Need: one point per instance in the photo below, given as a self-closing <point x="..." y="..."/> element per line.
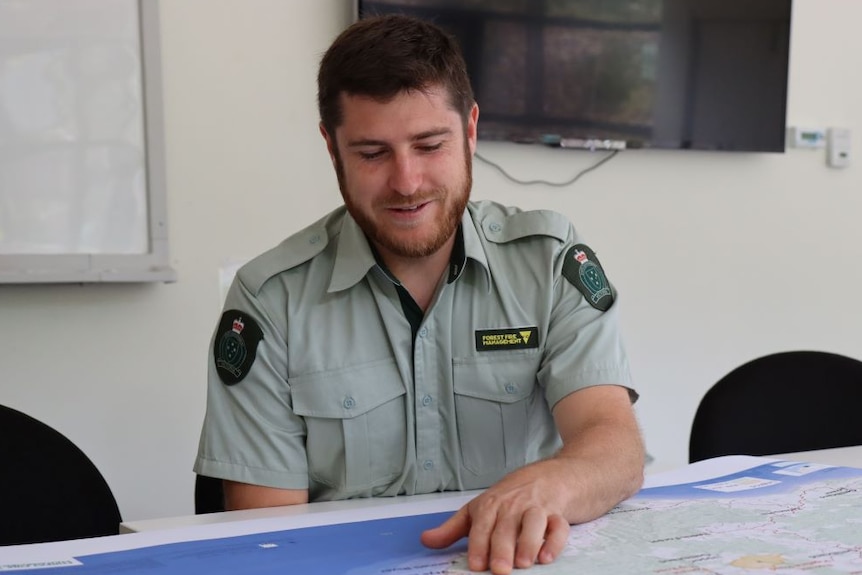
<point x="411" y="309"/>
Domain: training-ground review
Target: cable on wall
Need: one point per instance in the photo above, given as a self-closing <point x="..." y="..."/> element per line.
<point x="563" y="184"/>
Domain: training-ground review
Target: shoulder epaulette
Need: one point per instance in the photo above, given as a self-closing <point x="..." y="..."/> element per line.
<point x="501" y="225"/>
<point x="293" y="251"/>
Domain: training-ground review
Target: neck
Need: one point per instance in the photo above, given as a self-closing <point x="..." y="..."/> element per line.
<point x="420" y="276"/>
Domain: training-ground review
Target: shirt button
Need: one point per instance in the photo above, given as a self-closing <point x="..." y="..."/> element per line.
<point x="510" y="388"/>
<point x="349" y="402"/>
<point x="428" y="465"/>
<point x="423" y="332"/>
<point x="426" y="401"/>
<point x="314" y="239"/>
<point x="495" y="227"/>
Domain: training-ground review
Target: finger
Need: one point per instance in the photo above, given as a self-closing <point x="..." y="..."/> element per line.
<point x="555" y="539"/>
<point x="483" y="525"/>
<point x="503" y="543"/>
<point x="448" y="532"/>
<point x="534" y="525"/>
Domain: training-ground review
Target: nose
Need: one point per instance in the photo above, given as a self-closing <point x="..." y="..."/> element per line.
<point x="405" y="176"/>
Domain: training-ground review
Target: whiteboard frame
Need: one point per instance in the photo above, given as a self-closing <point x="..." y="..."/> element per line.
<point x="153" y="266"/>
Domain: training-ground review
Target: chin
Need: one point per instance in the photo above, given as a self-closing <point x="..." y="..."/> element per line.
<point x="413" y="246"/>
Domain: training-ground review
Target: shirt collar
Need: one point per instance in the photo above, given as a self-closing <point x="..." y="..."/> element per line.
<point x="473" y="247"/>
<point x="353" y="256"/>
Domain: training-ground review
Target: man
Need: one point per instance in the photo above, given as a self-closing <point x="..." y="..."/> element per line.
<point x="413" y="341"/>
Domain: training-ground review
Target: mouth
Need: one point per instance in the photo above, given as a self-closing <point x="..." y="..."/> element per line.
<point x="409" y="209"/>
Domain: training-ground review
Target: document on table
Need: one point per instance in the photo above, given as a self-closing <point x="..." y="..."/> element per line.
<point x="725" y="515"/>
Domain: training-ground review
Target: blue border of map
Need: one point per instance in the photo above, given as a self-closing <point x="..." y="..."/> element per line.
<point x="325" y="550"/>
<point x="788" y="476"/>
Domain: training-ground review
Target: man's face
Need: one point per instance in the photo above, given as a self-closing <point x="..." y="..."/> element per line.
<point x="404" y="169"/>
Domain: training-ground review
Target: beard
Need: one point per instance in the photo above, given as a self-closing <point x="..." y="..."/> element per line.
<point x="454" y="201"/>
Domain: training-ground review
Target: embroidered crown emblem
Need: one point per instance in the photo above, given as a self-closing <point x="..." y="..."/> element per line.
<point x="238" y="325"/>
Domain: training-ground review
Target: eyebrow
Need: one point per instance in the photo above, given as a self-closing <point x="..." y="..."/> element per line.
<point x="420" y="136"/>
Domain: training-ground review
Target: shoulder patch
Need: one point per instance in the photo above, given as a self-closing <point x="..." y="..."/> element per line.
<point x="583" y="270"/>
<point x="235" y="346"/>
<point x="513" y="226"/>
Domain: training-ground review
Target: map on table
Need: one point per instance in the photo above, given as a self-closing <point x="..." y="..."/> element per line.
<point x="788" y="518"/>
<point x="781" y="517"/>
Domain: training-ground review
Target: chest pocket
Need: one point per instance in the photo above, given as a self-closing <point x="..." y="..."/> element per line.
<point x="356" y="424"/>
<point x="492" y="403"/>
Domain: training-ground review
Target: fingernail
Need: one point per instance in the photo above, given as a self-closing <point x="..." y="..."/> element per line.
<point x="501" y="567"/>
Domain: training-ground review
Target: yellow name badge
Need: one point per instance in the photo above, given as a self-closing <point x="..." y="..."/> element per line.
<point x="508" y="338"/>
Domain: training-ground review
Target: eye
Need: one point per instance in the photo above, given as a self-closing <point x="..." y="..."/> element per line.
<point x="370" y="154"/>
<point x="428" y="148"/>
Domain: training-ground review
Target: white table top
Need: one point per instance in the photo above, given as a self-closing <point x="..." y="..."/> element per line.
<point x="288" y="511"/>
<point x="842" y="456"/>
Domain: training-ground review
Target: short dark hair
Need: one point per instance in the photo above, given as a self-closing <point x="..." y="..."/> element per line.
<point x="382" y="56"/>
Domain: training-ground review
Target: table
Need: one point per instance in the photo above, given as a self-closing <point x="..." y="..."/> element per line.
<point x="842" y="456"/>
<point x="460" y="497"/>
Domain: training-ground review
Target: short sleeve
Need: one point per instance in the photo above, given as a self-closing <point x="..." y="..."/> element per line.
<point x="584" y="345"/>
<point x="250" y="433"/>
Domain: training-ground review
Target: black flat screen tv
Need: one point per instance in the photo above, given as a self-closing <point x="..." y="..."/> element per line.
<point x="673" y="74"/>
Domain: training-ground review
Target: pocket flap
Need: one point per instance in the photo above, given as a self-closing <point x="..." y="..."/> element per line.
<point x="501" y="380"/>
<point x="347" y="392"/>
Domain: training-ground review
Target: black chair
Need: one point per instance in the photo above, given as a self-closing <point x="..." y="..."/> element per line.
<point x="49" y="489"/>
<point x="781" y="403"/>
<point x="209" y="495"/>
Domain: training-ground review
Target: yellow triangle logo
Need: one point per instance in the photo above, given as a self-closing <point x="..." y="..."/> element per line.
<point x="526" y="335"/>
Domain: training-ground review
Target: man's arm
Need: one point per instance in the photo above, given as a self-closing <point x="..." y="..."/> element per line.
<point x="525" y="517"/>
<point x="245" y="496"/>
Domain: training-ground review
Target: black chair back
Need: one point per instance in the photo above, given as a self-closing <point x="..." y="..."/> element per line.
<point x="49" y="489"/>
<point x="209" y="495"/>
<point x="781" y="403"/>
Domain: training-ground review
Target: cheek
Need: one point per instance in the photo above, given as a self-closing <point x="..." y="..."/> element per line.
<point x="363" y="185"/>
<point x="451" y="175"/>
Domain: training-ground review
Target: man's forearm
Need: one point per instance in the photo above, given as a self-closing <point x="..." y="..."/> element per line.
<point x="602" y="458"/>
<point x="600" y="468"/>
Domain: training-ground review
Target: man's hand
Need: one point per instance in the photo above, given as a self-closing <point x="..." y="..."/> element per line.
<point x="515" y="523"/>
<point x="524" y="518"/>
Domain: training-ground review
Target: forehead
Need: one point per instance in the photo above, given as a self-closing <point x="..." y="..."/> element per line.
<point x="408" y="112"/>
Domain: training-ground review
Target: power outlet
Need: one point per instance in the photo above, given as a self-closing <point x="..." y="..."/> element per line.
<point x="838" y="147"/>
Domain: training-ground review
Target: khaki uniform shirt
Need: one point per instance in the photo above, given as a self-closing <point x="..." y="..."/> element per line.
<point x="337" y="397"/>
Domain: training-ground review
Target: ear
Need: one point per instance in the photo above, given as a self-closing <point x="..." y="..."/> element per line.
<point x="472" y="122"/>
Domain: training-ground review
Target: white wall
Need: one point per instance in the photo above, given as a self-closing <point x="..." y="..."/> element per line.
<point x="721" y="257"/>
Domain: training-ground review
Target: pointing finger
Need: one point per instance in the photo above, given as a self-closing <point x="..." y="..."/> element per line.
<point x="448" y="532"/>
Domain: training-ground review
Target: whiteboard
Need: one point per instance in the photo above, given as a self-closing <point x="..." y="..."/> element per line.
<point x="82" y="195"/>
